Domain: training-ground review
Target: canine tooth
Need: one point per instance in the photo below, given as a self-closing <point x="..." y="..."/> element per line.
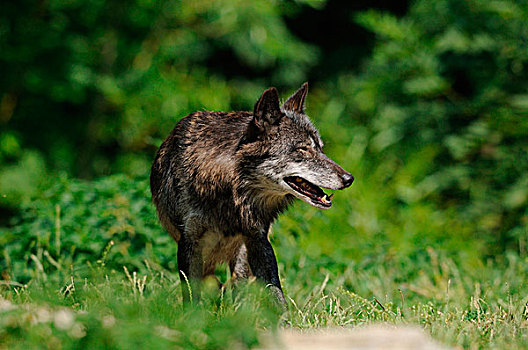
<point x="298" y="179"/>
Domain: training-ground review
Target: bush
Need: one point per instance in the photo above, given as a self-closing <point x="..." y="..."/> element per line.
<point x="110" y="222"/>
<point x="444" y="102"/>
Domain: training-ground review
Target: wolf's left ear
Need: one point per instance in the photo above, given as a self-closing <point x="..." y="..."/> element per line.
<point x="295" y="103"/>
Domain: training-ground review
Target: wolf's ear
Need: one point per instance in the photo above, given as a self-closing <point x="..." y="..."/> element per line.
<point x="266" y="112"/>
<point x="295" y="102"/>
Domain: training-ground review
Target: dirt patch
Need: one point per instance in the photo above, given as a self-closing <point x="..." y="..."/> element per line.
<point x="368" y="337"/>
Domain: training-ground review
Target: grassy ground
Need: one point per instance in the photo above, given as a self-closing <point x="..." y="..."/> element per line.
<point x="120" y="309"/>
<point x="87" y="265"/>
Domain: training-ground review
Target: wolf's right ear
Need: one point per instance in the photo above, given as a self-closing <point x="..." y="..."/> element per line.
<point x="266" y="113"/>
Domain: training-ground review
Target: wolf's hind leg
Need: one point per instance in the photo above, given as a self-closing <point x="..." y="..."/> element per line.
<point x="239" y="265"/>
<point x="239" y="268"/>
<point x="190" y="262"/>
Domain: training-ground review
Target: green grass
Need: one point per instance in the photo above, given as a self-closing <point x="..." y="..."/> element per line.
<point x="87" y="266"/>
<point x="118" y="309"/>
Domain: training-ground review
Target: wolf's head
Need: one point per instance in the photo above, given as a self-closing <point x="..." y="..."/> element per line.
<point x="287" y="155"/>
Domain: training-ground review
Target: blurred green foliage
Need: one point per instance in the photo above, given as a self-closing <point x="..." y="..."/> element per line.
<point x="434" y="124"/>
<point x="445" y="99"/>
<point x="89" y="224"/>
<point x="96" y="85"/>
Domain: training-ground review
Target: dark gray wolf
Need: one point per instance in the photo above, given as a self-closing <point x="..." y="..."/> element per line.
<point x="220" y="179"/>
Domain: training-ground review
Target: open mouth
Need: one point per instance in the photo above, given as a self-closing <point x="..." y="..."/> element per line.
<point x="308" y="189"/>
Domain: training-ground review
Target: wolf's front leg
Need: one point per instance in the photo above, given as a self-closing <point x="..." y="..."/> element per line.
<point x="263" y="263"/>
<point x="190" y="262"/>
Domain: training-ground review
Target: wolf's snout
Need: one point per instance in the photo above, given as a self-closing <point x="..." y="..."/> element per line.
<point x="347" y="179"/>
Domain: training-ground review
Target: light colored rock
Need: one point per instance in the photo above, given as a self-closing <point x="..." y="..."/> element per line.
<point x="366" y="337"/>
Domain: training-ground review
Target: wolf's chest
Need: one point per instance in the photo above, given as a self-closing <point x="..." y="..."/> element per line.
<point x="217" y="248"/>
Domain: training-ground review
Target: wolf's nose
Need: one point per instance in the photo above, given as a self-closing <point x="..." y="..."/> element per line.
<point x="347" y="179"/>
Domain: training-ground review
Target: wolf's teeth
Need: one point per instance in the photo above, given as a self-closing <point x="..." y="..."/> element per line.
<point x="298" y="179"/>
<point x="327" y="199"/>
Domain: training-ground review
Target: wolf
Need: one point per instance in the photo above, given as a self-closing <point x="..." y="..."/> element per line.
<point x="220" y="179"/>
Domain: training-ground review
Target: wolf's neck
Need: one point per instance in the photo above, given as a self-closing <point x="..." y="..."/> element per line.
<point x="262" y="207"/>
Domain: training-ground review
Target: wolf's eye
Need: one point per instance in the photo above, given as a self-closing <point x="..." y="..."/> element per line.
<point x="303" y="149"/>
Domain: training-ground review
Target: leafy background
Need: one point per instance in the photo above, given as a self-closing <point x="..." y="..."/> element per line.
<point x="426" y="103"/>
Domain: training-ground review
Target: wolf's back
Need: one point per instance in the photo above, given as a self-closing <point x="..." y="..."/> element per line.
<point x="196" y="165"/>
